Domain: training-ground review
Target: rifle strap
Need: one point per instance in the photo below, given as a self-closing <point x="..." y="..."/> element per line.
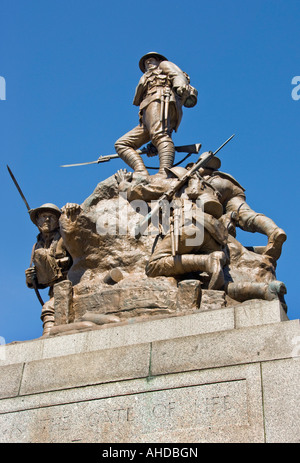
<point x="32" y="254"/>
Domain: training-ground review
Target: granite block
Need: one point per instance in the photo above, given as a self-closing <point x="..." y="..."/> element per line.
<point x="281" y="381"/>
<point x="218" y="405"/>
<point x="86" y="368"/>
<point x="244" y="345"/>
<point x="257" y="312"/>
<point x="10" y="380"/>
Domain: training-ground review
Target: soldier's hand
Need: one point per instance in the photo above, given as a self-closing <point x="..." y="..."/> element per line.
<point x="151" y="150"/>
<point x="123" y="176"/>
<point x="120" y="175"/>
<point x="183" y="90"/>
<point x="71" y="210"/>
<point x="30" y="274"/>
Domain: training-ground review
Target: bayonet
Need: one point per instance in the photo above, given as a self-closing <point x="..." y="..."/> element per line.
<point x="220" y="147"/>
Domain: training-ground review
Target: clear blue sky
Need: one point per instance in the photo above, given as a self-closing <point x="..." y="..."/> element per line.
<point x="71" y="68"/>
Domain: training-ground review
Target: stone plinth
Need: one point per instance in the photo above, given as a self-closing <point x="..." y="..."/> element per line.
<point x="221" y="375"/>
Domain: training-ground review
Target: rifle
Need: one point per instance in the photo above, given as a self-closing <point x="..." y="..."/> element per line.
<point x="141" y="227"/>
<point x="190" y="149"/>
<point x="34" y="283"/>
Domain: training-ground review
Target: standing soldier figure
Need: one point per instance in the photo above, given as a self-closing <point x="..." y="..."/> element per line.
<point x="161" y="92"/>
<point x="50" y="259"/>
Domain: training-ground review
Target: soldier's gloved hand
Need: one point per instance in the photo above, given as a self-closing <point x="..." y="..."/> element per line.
<point x="30" y="274"/>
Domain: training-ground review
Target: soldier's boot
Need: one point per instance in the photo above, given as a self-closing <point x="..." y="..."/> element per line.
<point x="131" y="157"/>
<point x="275" y="242"/>
<point x="166" y="153"/>
<point x="211" y="263"/>
<point x="251" y="290"/>
<point x="276" y="236"/>
<point x="48" y="323"/>
<point x="277" y="289"/>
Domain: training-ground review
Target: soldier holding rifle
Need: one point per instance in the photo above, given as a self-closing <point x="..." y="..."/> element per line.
<point x="50" y="261"/>
<point x="194" y="242"/>
<point x="192" y="252"/>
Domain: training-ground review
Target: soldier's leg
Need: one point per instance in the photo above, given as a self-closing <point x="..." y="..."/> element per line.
<point x="160" y="134"/>
<point x="276" y="236"/>
<point x="254" y="222"/>
<point x="180" y="264"/>
<point x="243" y="291"/>
<point x="204" y="256"/>
<point x="127" y="145"/>
<point x="162" y="263"/>
<point x="47" y="316"/>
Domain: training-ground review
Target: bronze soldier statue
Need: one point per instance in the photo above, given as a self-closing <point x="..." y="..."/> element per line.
<point x="194" y="242"/>
<point x="248" y="277"/>
<point x="238" y="213"/>
<point x="50" y="261"/>
<point x="161" y="92"/>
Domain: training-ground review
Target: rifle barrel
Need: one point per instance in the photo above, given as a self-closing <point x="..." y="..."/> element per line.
<point x="225" y="143"/>
<point x="18" y="188"/>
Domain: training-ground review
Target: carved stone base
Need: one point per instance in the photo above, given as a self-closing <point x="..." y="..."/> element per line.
<point x="222" y="375"/>
<point x="138" y="296"/>
<point x="135" y="299"/>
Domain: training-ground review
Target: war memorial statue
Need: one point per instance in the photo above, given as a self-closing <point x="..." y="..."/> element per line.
<point x="161" y="92"/>
<point x="143" y="246"/>
<point x="160" y="326"/>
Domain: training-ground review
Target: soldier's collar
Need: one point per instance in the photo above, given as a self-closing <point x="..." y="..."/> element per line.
<point x="55" y="235"/>
<point x="153" y="71"/>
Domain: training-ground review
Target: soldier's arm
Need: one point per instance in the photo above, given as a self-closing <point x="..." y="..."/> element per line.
<point x="31" y="279"/>
<point x="139" y="92"/>
<point x="178" y="78"/>
<point x="30" y="275"/>
<point x="148" y="191"/>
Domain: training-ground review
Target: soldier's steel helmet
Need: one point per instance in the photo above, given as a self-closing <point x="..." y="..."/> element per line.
<point x="211" y="203"/>
<point x="44" y="208"/>
<point x="213" y="163"/>
<point x="151" y="54"/>
<point x="177" y="171"/>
